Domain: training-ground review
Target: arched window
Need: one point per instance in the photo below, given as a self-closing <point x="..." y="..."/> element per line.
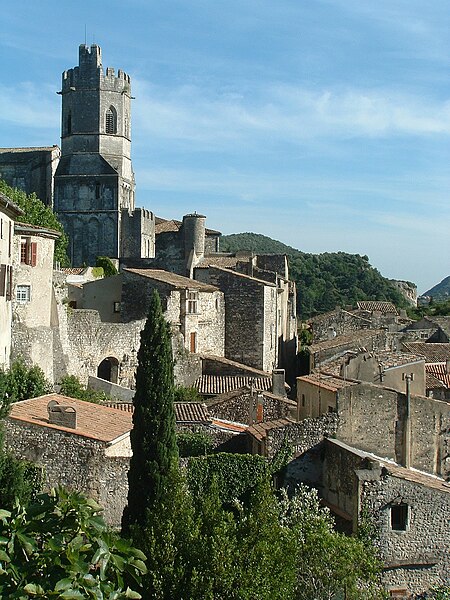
<point x="111" y="120"/>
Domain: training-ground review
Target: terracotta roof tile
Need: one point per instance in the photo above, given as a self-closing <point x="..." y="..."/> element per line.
<point x="363" y="336"/>
<point x="185" y="412"/>
<point x="212" y="385"/>
<point x="374" y="305"/>
<point x="93" y="420"/>
<point x="440" y="372"/>
<point x="177" y="281"/>
<point x="431" y="352"/>
<point x="327" y="382"/>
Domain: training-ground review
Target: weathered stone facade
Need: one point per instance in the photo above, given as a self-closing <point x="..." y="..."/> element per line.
<point x="8" y="212"/>
<point x="31" y="170"/>
<point x="94" y="181"/>
<point x="78" y="460"/>
<point x="32" y="335"/>
<point x="250" y="406"/>
<point x="410" y="511"/>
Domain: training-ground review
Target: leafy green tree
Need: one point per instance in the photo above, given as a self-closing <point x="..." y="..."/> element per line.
<point x="21" y="382"/>
<point x="323" y="281"/>
<point x="107" y="265"/>
<point x="153" y="438"/>
<point x="71" y="386"/>
<point x="194" y="443"/>
<point x="59" y="547"/>
<point x="186" y="394"/>
<point x="37" y="213"/>
<point x="331" y="565"/>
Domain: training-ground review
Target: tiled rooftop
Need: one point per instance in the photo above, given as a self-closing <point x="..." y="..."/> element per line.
<point x="185" y="412"/>
<point x="212" y="385"/>
<point x="259" y="430"/>
<point x="223" y="398"/>
<point x="165" y="225"/>
<point x="20" y="227"/>
<point x="373" y="305"/>
<point x="431" y="352"/>
<point x="439" y="371"/>
<point x="396" y="470"/>
<point x="94" y="421"/>
<point x="177" y="281"/>
<point x="327" y="382"/>
<point x="363" y="335"/>
<point x="30" y="149"/>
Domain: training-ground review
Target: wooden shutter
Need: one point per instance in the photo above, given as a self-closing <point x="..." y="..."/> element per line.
<point x="33" y="254"/>
<point x="2" y="280"/>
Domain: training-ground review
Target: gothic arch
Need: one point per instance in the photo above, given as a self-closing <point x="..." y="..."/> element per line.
<point x="111" y="120"/>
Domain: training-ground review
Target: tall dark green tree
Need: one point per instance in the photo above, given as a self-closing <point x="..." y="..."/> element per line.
<point x="153" y="438"/>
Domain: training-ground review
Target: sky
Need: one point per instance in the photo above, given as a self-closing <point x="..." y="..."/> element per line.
<point x="324" y="124"/>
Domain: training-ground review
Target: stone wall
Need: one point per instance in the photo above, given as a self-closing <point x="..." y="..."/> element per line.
<point x="73" y="461"/>
<point x="245" y="407"/>
<point x="419" y="557"/>
<point x="372" y="418"/>
<point x="248" y="321"/>
<point x="30" y="170"/>
<point x="301" y="435"/>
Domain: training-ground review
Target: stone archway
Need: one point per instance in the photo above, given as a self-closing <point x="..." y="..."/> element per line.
<point x="108" y="369"/>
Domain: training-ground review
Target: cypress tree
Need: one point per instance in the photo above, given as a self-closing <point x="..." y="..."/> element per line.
<point x="153" y="438"/>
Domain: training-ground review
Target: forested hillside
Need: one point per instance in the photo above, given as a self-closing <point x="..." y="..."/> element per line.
<point x="441" y="291"/>
<point x="324" y="281"/>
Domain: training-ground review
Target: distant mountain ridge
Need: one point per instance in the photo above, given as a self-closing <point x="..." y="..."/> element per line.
<point x="324" y="281"/>
<point x="440" y="291"/>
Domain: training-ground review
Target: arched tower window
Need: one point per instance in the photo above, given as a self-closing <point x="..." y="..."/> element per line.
<point x="111" y="120"/>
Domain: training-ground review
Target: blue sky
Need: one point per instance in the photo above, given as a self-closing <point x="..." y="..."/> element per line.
<point x="322" y="123"/>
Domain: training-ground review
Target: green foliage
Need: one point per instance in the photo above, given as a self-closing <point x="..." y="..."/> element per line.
<point x="72" y="387"/>
<point x="441" y="291"/>
<point x="326" y="280"/>
<point x="194" y="443"/>
<point x="235" y="474"/>
<point x="20" y="383"/>
<point x="153" y="438"/>
<point x="434" y="309"/>
<point x="186" y="394"/>
<point x="107" y="265"/>
<point x="59" y="547"/>
<point x="19" y="480"/>
<point x="36" y="213"/>
<point x="331" y="565"/>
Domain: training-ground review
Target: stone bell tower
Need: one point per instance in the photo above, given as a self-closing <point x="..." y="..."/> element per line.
<point x="94" y="181"/>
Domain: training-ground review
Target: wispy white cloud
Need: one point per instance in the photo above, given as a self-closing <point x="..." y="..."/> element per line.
<point x="287" y="112"/>
<point x="29" y="105"/>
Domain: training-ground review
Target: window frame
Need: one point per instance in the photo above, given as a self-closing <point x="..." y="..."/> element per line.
<point x="23" y="293"/>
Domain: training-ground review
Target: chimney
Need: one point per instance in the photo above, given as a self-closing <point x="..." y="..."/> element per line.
<point x="63" y="415"/>
<point x="278" y="383"/>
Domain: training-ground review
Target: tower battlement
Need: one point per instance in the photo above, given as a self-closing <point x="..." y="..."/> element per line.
<point x="90" y="72"/>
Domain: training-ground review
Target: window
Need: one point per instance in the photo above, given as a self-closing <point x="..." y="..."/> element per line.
<point x="69" y="123"/>
<point x="111" y="120"/>
<point x="192" y="301"/>
<point x="28" y="252"/>
<point x="399" y="517"/>
<point x="97" y="190"/>
<point x="303" y="400"/>
<point x="117" y="307"/>
<point x="3" y="275"/>
<point x="23" y="293"/>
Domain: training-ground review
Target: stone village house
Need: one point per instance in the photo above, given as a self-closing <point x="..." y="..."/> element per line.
<point x="8" y="212"/>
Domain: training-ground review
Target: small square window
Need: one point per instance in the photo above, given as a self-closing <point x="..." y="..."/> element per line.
<point x="399" y="517"/>
<point x="23" y="293"/>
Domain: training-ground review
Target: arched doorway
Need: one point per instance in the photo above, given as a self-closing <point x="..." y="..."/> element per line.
<point x="109" y="369"/>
